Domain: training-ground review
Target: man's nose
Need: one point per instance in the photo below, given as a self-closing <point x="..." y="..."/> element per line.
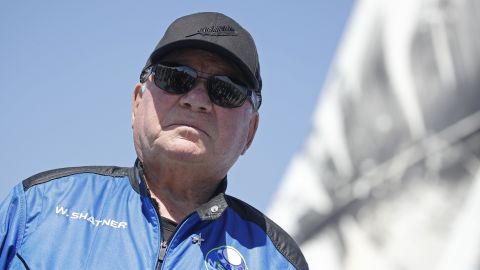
<point x="197" y="98"/>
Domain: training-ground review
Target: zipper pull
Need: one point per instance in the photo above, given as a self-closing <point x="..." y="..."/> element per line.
<point x="163" y="250"/>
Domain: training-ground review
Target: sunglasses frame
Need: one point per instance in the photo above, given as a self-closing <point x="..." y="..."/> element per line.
<point x="250" y="94"/>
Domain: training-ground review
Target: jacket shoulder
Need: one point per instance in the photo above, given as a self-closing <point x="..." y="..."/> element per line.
<point x="279" y="237"/>
<point x="50" y="175"/>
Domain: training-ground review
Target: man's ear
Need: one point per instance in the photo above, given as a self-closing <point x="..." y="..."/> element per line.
<point x="252" y="129"/>
<point x="137" y="98"/>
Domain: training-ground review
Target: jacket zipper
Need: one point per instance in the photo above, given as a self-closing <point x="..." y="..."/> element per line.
<point x="160" y="229"/>
<point x="167" y="247"/>
<point x="163" y="250"/>
<point x="163" y="244"/>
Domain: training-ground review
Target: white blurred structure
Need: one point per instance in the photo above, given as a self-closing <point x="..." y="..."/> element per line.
<point x="389" y="177"/>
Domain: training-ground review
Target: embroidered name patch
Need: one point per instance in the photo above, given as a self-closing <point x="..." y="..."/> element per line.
<point x="85" y="216"/>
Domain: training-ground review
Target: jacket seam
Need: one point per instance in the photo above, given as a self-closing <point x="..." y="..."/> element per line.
<point x="269" y="228"/>
<point x="48" y="176"/>
<point x="23" y="219"/>
<point x="277" y="246"/>
<point x="22" y="260"/>
<point x="282" y="251"/>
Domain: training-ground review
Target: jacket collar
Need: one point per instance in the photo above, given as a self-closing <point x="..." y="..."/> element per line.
<point x="210" y="210"/>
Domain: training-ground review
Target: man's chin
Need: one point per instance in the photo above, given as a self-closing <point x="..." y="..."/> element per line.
<point x="184" y="149"/>
<point x="188" y="132"/>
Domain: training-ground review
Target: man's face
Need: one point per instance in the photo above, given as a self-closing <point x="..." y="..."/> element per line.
<point x="189" y="128"/>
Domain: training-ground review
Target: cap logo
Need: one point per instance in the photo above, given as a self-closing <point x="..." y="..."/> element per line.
<point x="215" y="30"/>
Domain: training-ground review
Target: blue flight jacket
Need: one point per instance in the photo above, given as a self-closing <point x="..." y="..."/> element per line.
<point x="104" y="218"/>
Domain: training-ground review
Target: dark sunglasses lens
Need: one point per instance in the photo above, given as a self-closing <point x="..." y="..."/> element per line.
<point x="174" y="80"/>
<point x="225" y="93"/>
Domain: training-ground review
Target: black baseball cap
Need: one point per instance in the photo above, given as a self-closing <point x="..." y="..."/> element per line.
<point x="214" y="32"/>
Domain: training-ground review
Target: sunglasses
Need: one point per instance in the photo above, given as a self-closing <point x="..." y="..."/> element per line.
<point x="178" y="80"/>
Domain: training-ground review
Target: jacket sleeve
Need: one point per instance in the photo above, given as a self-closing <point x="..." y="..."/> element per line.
<point x="12" y="218"/>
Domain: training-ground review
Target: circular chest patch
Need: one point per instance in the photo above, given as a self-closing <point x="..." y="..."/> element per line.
<point x="225" y="258"/>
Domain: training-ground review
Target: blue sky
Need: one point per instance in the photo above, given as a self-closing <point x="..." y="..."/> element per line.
<point x="67" y="71"/>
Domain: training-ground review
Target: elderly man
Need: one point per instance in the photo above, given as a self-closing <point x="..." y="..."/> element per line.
<point x="195" y="111"/>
